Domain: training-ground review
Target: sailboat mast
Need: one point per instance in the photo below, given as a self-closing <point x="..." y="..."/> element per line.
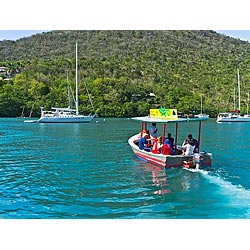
<point x="247" y="102"/>
<point x="201" y="104"/>
<point x="77" y="112"/>
<point x="234" y="99"/>
<point x="238" y="87"/>
<point x="68" y="87"/>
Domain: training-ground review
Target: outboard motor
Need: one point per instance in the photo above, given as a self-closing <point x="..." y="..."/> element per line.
<point x="197" y="158"/>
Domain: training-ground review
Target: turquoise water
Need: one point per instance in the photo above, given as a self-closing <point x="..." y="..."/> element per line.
<point x="88" y="171"/>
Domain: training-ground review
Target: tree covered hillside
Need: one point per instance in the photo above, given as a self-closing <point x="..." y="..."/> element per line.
<point x="122" y="69"/>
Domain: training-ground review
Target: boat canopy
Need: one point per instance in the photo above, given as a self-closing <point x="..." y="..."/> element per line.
<point x="158" y="120"/>
<point x="234" y="111"/>
<point x="163" y="115"/>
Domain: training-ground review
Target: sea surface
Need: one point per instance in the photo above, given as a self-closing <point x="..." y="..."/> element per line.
<point x="88" y="171"/>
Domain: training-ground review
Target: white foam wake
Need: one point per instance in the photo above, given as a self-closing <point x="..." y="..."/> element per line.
<point x="237" y="196"/>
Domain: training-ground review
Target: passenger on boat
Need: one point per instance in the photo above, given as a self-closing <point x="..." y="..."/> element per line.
<point x="153" y="130"/>
<point x="156" y="146"/>
<point x="196" y="148"/>
<point x="142" y="133"/>
<point x="188" y="147"/>
<point x="143" y="143"/>
<point x="171" y="140"/>
<point x="166" y="148"/>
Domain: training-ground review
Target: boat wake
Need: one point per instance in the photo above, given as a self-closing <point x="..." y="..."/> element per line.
<point x="236" y="196"/>
<point x="194" y="170"/>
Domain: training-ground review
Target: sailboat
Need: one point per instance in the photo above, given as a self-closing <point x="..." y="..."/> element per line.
<point x="201" y="115"/>
<point x="234" y="115"/>
<point x="22" y="115"/>
<point x="67" y="115"/>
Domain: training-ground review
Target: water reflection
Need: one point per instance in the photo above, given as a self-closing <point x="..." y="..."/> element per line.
<point x="158" y="178"/>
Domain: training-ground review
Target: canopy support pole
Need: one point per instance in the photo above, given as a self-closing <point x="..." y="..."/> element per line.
<point x="199" y="136"/>
<point x="164" y="132"/>
<point x="176" y="134"/>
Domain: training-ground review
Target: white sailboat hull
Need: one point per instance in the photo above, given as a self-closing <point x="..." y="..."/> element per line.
<point x="73" y="119"/>
<point x="234" y="119"/>
<point x="202" y="116"/>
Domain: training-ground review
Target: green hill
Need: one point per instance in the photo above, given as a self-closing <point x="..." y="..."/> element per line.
<point x="122" y="68"/>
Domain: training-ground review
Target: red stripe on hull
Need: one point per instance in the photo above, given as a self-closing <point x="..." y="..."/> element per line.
<point x="151" y="159"/>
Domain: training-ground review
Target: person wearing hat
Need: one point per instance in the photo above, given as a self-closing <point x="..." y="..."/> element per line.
<point x="196" y="144"/>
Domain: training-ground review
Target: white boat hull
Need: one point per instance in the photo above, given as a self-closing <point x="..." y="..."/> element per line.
<point x="75" y="119"/>
<point x="234" y="119"/>
<point x="202" y="116"/>
<point x="165" y="161"/>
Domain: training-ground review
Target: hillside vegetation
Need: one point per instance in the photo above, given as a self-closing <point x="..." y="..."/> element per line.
<point x="122" y="68"/>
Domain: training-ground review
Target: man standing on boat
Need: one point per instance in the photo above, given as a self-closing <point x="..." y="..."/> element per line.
<point x="153" y="130"/>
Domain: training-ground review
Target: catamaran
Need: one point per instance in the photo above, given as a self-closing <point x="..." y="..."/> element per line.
<point x="234" y="115"/>
<point x="67" y="115"/>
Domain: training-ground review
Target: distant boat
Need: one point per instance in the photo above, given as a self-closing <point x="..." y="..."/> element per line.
<point x="201" y="115"/>
<point x="233" y="115"/>
<point x="66" y="115"/>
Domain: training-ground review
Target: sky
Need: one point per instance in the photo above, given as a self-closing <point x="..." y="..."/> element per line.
<point x="241" y="34"/>
<point x="17" y="34"/>
<point x="28" y="18"/>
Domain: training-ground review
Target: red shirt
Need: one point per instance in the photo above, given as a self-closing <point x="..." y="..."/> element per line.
<point x="165" y="150"/>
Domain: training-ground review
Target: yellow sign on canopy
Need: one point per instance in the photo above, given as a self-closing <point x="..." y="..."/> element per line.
<point x="163" y="113"/>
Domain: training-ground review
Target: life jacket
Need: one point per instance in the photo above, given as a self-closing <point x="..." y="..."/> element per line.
<point x="155" y="148"/>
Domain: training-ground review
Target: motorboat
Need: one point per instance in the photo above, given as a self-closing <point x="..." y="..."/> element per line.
<point x="178" y="159"/>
